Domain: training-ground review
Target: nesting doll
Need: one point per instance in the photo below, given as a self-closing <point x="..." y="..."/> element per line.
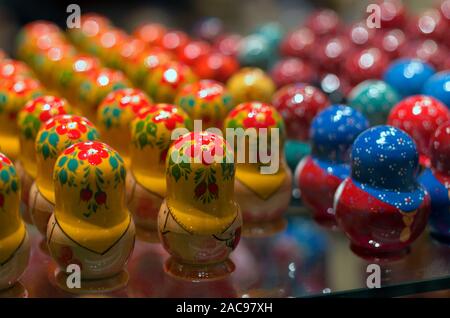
<point x="14" y="93"/>
<point x="32" y="116"/>
<point x="374" y="99"/>
<point x="37" y="36"/>
<point x="419" y="116"/>
<point x="250" y="84"/>
<point x="263" y="179"/>
<point x="140" y="66"/>
<point x="317" y="176"/>
<point x="91" y="227"/>
<point x="151" y="137"/>
<point x="72" y="71"/>
<point x="199" y="222"/>
<point x="206" y="100"/>
<point x="298" y="104"/>
<point x="408" y="76"/>
<point x="54" y="137"/>
<point x="115" y="114"/>
<point x="436" y="181"/>
<point x="217" y="66"/>
<point x="95" y="86"/>
<point x="14" y="242"/>
<point x="381" y="207"/>
<point x="166" y="80"/>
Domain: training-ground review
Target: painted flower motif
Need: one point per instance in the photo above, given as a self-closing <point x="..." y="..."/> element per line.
<point x="256" y="115"/>
<point x="72" y="130"/>
<point x="169" y="117"/>
<point x="62" y="131"/>
<point x="121" y="106"/>
<point x="72" y="126"/>
<point x="93" y="152"/>
<point x="201" y="145"/>
<point x="84" y="158"/>
<point x="207" y="149"/>
<point x="147" y="128"/>
<point x="38" y="111"/>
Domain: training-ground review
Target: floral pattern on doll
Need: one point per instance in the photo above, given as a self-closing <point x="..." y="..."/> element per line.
<point x="205" y="149"/>
<point x="145" y="131"/>
<point x="9" y="180"/>
<point x="38" y="111"/>
<point x="66" y="128"/>
<point x="119" y="102"/>
<point x="73" y="162"/>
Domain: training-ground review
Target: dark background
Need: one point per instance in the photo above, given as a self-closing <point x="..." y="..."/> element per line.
<point x="240" y="16"/>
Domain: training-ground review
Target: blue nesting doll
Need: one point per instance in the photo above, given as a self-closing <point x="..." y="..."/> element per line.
<point x="408" y="76"/>
<point x="381" y="207"/>
<point x="318" y="175"/>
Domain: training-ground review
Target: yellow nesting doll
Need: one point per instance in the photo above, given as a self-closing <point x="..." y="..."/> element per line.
<point x="14" y="93"/>
<point x="151" y="137"/>
<point x="53" y="138"/>
<point x="263" y="179"/>
<point x="14" y="243"/>
<point x="250" y="84"/>
<point x="114" y="115"/>
<point x="91" y="226"/>
<point x="199" y="222"/>
<point x="205" y="100"/>
<point x="165" y="80"/>
<point x="95" y="86"/>
<point x="36" y="112"/>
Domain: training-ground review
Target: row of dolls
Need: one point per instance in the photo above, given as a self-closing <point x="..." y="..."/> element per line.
<point x="46" y="132"/>
<point x="254" y="185"/>
<point x="381" y="206"/>
<point x="78" y="199"/>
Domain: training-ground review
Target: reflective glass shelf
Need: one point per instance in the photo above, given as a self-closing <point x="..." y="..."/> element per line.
<point x="304" y="260"/>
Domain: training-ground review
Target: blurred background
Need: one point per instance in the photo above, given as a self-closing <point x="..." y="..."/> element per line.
<point x="237" y="15"/>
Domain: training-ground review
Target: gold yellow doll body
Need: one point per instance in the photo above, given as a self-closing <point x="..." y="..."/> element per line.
<point x="205" y="100"/>
<point x="14" y="93"/>
<point x="14" y="245"/>
<point x="54" y="137"/>
<point x="151" y="137"/>
<point x="115" y="114"/>
<point x="199" y="222"/>
<point x="251" y="84"/>
<point x="36" y="112"/>
<point x="91" y="226"/>
<point x="263" y="197"/>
